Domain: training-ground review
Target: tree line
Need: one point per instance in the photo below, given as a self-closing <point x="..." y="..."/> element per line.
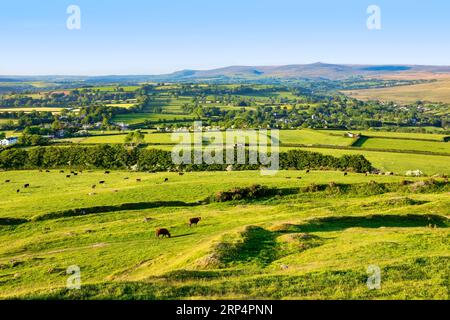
<point x="125" y="158"/>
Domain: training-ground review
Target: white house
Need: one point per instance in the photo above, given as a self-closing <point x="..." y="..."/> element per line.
<point x="9" y="141"/>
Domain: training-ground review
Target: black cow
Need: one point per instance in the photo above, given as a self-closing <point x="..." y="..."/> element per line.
<point x="101" y="182"/>
<point x="162" y="231"/>
<point x="194" y="221"/>
<point x="26" y="185"/>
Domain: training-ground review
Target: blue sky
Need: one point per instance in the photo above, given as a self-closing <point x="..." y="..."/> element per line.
<point x="160" y="36"/>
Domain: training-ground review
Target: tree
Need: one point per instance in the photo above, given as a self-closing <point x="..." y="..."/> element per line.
<point x="135" y="138"/>
<point x="2" y="135"/>
<point x="56" y="125"/>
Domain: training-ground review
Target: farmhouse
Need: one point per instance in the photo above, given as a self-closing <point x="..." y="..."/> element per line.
<point x="9" y="141"/>
<point x="352" y="135"/>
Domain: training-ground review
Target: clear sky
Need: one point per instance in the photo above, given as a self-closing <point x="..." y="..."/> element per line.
<point x="160" y="36"/>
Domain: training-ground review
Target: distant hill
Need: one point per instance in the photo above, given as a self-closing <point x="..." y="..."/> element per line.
<point x="312" y="71"/>
<point x="304" y="71"/>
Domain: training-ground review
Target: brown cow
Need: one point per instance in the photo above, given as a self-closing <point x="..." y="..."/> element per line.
<point x="194" y="221"/>
<point x="162" y="231"/>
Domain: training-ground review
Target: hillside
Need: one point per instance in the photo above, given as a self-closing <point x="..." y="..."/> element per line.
<point x="316" y="239"/>
<point x="312" y="71"/>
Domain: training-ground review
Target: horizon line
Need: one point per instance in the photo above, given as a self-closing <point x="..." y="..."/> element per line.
<point x="218" y="68"/>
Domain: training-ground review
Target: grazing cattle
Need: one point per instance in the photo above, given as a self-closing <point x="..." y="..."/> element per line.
<point x="93" y="186"/>
<point x="307" y="171"/>
<point x="194" y="221"/>
<point x="166" y="179"/>
<point x="147" y="219"/>
<point x="18" y="190"/>
<point x="126" y="178"/>
<point x="162" y="232"/>
<point x="47" y="171"/>
<point x="101" y="182"/>
<point x="72" y="172"/>
<point x="61" y="171"/>
<point x="138" y="180"/>
<point x="181" y="173"/>
<point x="68" y="176"/>
<point x="299" y="177"/>
<point x="26" y="185"/>
<point x="75" y="174"/>
<point x="107" y="172"/>
<point x="345" y="173"/>
<point x="6" y="181"/>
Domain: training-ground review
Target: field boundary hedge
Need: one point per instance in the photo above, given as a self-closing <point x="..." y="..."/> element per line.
<point x="119" y="157"/>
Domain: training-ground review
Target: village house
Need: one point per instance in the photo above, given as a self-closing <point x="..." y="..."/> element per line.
<point x="9" y="141"/>
<point x="352" y="135"/>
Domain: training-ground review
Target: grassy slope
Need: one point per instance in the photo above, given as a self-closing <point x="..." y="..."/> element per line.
<point x="397" y="162"/>
<point x="398" y="144"/>
<point x="120" y="258"/>
<point x="386" y="134"/>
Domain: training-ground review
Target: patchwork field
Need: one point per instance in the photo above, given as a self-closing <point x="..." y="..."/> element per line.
<point x="394" y="152"/>
<point x="396" y="162"/>
<point x="438" y="91"/>
<point x="401" y="144"/>
<point x="298" y="244"/>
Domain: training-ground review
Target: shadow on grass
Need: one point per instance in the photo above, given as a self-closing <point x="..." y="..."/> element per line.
<point x="12" y="221"/>
<point x="372" y="221"/>
<point x="104" y="209"/>
<point x="258" y="245"/>
<point x="182" y="235"/>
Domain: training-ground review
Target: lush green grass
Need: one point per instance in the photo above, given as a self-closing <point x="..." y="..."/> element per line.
<point x="134" y="118"/>
<point x="396" y="162"/>
<point x="303" y="245"/>
<point x="313" y="137"/>
<point x="396" y="135"/>
<point x="399" y="144"/>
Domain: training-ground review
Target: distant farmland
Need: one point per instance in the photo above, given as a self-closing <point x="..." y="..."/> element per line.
<point x="438" y="91"/>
